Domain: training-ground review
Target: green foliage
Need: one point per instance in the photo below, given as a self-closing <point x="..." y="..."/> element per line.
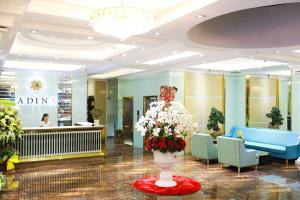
<point x="216" y="117"/>
<point x="7" y="154"/>
<point x="276" y="118"/>
<point x="10" y="125"/>
<point x="2" y="181"/>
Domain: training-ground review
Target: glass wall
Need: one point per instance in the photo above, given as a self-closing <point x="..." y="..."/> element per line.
<point x="262" y="95"/>
<point x="202" y="92"/>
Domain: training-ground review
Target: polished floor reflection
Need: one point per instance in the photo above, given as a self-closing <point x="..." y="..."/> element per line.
<point x="110" y="177"/>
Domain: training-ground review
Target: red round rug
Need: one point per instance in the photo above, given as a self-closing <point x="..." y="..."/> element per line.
<point x="184" y="186"/>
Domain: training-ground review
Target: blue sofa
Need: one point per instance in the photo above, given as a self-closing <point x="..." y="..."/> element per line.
<point x="279" y="144"/>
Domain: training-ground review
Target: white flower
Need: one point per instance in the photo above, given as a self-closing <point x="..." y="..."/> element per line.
<point x="173" y="118"/>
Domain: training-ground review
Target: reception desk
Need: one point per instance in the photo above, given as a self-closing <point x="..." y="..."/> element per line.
<point x="61" y="142"/>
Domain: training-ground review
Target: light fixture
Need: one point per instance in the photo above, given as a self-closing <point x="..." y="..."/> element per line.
<point x="297" y="51"/>
<point x="277" y="51"/>
<point x="43" y="66"/>
<point x="237" y="64"/>
<point x="124" y="54"/>
<point x="280" y="73"/>
<point x="116" y="73"/>
<point x="171" y="58"/>
<point x="34" y="31"/>
<point x="200" y="16"/>
<point x="121" y="21"/>
<point x="157" y="33"/>
<point x="90" y="37"/>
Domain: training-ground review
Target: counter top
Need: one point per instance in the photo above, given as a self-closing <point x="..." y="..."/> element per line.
<point x="64" y="128"/>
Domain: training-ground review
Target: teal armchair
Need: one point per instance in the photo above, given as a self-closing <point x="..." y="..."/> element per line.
<point x="202" y="147"/>
<point x="232" y="151"/>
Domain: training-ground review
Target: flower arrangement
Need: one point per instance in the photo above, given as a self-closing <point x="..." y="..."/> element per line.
<point x="10" y="125"/>
<point x="10" y="130"/>
<point x="167" y="123"/>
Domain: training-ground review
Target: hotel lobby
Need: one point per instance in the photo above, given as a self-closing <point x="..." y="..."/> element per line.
<point x="160" y="99"/>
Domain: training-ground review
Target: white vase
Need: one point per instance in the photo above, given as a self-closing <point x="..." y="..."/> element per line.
<point x="165" y="162"/>
<point x="96" y="122"/>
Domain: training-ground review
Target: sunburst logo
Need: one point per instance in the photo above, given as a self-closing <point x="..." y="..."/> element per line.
<point x="36" y="85"/>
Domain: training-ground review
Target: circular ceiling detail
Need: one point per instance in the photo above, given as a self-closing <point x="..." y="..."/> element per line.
<point x="262" y="27"/>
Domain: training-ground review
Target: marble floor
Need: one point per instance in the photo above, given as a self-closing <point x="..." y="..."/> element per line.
<point x="110" y="178"/>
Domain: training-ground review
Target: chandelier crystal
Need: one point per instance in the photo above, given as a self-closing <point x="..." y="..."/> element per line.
<point x="121" y="21"/>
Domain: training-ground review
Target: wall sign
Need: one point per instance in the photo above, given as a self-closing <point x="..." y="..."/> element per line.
<point x="37" y="94"/>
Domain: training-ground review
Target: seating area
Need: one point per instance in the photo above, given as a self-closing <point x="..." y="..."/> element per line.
<point x="242" y="146"/>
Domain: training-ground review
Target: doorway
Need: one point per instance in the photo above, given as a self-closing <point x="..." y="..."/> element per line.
<point x="127" y="120"/>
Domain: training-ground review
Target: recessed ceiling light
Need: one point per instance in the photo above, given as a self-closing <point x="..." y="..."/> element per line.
<point x="277" y="51"/>
<point x="34" y="31"/>
<point x="90" y="37"/>
<point x="142" y="48"/>
<point x="171" y="58"/>
<point x="43" y="66"/>
<point x="297" y="51"/>
<point x="237" y="64"/>
<point x="157" y="33"/>
<point x="200" y="16"/>
<point x="251" y="57"/>
<point x="124" y="54"/>
<point x="116" y="73"/>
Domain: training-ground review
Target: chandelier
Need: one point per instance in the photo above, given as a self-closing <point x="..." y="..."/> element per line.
<point x="121" y="21"/>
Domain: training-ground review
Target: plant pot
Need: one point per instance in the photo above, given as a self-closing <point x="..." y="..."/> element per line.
<point x="96" y="122"/>
<point x="165" y="162"/>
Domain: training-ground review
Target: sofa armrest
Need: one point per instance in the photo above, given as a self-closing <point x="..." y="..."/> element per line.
<point x="292" y="152"/>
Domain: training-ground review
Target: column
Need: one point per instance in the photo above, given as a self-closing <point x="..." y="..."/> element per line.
<point x="235" y="101"/>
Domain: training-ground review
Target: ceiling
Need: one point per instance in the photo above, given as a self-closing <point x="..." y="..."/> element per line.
<point x="58" y="31"/>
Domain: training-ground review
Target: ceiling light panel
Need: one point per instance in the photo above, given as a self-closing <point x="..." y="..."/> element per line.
<point x="172" y="57"/>
<point x="41" y="66"/>
<point x="49" y="47"/>
<point x="116" y="73"/>
<point x="236" y="64"/>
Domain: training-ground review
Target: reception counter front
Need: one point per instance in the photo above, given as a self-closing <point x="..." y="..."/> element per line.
<point x="61" y="142"/>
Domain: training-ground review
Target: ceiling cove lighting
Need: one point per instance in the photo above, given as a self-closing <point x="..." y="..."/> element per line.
<point x="177" y="56"/>
<point x="43" y="66"/>
<point x="121" y="21"/>
<point x="280" y="73"/>
<point x="236" y="64"/>
<point x="116" y="73"/>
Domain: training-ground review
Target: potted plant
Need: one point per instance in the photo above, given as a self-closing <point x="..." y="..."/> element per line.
<point x="97" y="113"/>
<point x="167" y="123"/>
<point x="276" y="118"/>
<point x="10" y="130"/>
<point x="215" y="118"/>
